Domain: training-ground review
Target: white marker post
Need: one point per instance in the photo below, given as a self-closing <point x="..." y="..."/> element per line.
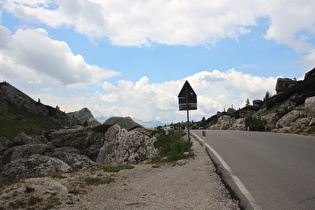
<point x="204" y="139"/>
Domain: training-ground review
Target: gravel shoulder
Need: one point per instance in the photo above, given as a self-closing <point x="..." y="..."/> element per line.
<point x="188" y="184"/>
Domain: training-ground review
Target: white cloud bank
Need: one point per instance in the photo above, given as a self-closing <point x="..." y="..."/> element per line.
<point x="31" y="56"/>
<point x="147" y="101"/>
<point x="184" y="22"/>
<point x="176" y="22"/>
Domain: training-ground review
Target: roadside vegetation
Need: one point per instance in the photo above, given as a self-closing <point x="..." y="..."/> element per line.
<point x="171" y="145"/>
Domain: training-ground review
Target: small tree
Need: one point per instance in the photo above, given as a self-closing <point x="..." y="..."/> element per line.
<point x="267" y="99"/>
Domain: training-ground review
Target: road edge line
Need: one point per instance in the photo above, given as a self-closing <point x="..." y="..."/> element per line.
<point x="236" y="180"/>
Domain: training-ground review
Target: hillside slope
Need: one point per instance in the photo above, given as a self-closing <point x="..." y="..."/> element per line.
<point x="291" y="110"/>
<point x="19" y="112"/>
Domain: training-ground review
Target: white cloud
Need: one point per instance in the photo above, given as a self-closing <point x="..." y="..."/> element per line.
<point x="175" y="22"/>
<point x="147" y="101"/>
<point x="31" y="56"/>
<point x="288" y="19"/>
<point x="142" y="23"/>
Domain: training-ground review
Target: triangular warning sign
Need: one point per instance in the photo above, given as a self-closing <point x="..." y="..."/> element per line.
<point x="187" y="98"/>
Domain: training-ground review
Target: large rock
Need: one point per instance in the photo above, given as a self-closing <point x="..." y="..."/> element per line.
<point x="34" y="166"/>
<point x="24" y="151"/>
<point x="4" y="144"/>
<point x="270" y="119"/>
<point x="310" y="106"/>
<point x="22" y="138"/>
<point x="239" y="124"/>
<point x="289" y="118"/>
<point x="123" y="147"/>
<point x="224" y="122"/>
<point x="72" y="157"/>
<point x="283" y="84"/>
<point x="86" y="141"/>
<point x="309" y="75"/>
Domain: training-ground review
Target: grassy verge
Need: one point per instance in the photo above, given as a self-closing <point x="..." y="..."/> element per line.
<point x="109" y="168"/>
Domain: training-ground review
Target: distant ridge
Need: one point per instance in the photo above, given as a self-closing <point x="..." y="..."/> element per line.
<point x="124" y="122"/>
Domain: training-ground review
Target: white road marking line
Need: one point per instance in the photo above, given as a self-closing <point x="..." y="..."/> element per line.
<point x="237" y="181"/>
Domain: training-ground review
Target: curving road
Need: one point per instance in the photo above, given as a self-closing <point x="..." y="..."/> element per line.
<point x="277" y="169"/>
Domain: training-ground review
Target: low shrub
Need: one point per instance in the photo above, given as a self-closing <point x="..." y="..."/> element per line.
<point x="255" y="123"/>
<point x="170" y="144"/>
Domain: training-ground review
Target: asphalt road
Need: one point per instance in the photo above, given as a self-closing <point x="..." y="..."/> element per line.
<point x="277" y="169"/>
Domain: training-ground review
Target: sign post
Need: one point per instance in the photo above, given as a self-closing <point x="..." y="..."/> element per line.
<point x="187" y="100"/>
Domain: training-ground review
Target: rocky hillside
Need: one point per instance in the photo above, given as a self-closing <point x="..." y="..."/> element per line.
<point x="124" y="122"/>
<point x="291" y="110"/>
<point x="85" y="117"/>
<point x="19" y="112"/>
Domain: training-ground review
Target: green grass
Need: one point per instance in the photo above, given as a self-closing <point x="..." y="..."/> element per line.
<point x="109" y="168"/>
<point x="57" y="175"/>
<point x="98" y="180"/>
<point x="11" y="125"/>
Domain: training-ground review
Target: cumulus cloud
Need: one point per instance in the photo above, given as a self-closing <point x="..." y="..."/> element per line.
<point x="147" y="101"/>
<point x="30" y="55"/>
<point x="288" y="19"/>
<point x="175" y="22"/>
<point x="142" y="23"/>
<point x="171" y="22"/>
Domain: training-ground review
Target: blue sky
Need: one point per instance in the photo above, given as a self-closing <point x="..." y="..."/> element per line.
<point x="131" y="58"/>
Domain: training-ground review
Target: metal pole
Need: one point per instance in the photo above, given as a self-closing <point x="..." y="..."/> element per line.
<point x="188" y="132"/>
<point x="188" y="122"/>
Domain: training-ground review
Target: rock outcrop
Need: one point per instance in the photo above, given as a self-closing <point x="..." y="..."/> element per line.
<point x="283" y="84"/>
<point x="72" y="157"/>
<point x="73" y="149"/>
<point x="4" y="145"/>
<point x="123" y="147"/>
<point x="24" y="151"/>
<point x="85" y="140"/>
<point x="226" y="122"/>
<point x="34" y="166"/>
<point x="289" y="118"/>
<point x="310" y="106"/>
